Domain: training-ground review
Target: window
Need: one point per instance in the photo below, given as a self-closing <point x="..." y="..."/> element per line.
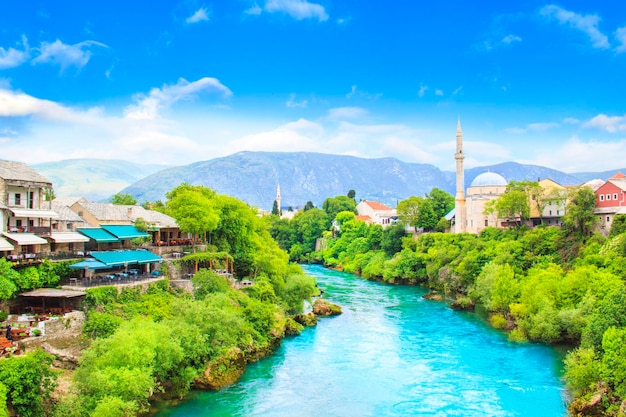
<point x="601" y="197"/>
<point x="615" y="196"/>
<point x="558" y="213"/>
<point x="31" y="200"/>
<point x="55" y="226"/>
<point x="608" y="197"/>
<point x="486" y="222"/>
<point x="608" y="219"/>
<point x="69" y="226"/>
<point x="18" y="199"/>
<point x="18" y="223"/>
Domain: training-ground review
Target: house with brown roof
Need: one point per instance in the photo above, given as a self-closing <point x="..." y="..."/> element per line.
<point x="378" y="213"/>
<point x="161" y="227"/>
<point x="25" y="211"/>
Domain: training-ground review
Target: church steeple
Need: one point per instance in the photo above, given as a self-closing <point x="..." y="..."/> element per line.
<point x="460" y="211"/>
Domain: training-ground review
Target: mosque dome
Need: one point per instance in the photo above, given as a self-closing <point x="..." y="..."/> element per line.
<point x="487" y="179"/>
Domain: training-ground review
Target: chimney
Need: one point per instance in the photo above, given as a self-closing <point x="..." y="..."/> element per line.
<point x="130" y="212"/>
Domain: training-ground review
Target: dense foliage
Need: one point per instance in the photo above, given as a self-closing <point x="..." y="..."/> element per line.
<point x="45" y="275"/>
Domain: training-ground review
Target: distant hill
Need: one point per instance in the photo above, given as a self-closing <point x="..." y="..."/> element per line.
<point x="94" y="179"/>
<point x="588" y="176"/>
<point x="254" y="176"/>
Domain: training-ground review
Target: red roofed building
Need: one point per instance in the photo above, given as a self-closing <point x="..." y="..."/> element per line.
<point x="611" y="200"/>
<point x="378" y="213"/>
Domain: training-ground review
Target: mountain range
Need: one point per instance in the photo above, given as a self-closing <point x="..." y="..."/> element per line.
<point x="254" y="177"/>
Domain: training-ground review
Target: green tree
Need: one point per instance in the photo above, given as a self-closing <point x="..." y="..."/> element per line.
<point x="352" y="194"/>
<point x="409" y="210"/>
<point x="308" y="206"/>
<point x="8" y="279"/>
<point x="275" y="209"/>
<point x="514" y="204"/>
<point x="123" y="199"/>
<point x="442" y="202"/>
<point x="194" y="209"/>
<point x="579" y="217"/>
<point x="335" y="205"/>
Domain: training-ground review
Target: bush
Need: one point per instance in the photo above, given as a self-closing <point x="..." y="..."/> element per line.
<point x="497" y="321"/>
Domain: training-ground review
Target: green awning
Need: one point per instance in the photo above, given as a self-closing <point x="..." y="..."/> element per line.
<point x="99" y="235"/>
<point x="126" y="257"/>
<point x="124" y="232"/>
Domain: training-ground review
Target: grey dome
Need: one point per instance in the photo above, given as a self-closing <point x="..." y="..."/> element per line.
<point x="488" y="179"/>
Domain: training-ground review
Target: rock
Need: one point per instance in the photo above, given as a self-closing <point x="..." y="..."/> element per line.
<point x="463" y="303"/>
<point x="322" y="307"/>
<point x="433" y="295"/>
<point x="591" y="407"/>
<point x="292" y="327"/>
<point x="225" y="369"/>
<point x="308" y="319"/>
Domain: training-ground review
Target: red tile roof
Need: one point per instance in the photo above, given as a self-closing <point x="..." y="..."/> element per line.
<point x="377" y="206"/>
<point x="617" y="176"/>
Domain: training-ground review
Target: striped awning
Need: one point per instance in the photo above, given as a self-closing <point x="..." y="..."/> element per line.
<point x="24" y="239"/>
<point x="34" y="214"/>
<point x="67" y="237"/>
<point x="4" y="245"/>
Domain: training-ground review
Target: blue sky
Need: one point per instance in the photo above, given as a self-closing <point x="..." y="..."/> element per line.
<point x="176" y="82"/>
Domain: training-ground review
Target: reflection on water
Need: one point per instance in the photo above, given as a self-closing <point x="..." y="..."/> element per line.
<point x="390" y="354"/>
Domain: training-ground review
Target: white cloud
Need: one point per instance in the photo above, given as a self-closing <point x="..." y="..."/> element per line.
<point x="346" y="113"/>
<point x="439" y="93"/>
<point x="509" y="39"/>
<point x="292" y="103"/>
<point x="577" y="155"/>
<point x="571" y="121"/>
<point x="587" y="24"/>
<point x="459" y="90"/>
<point x="611" y="124"/>
<point x="620" y="35"/>
<point x="302" y="135"/>
<point x="11" y="57"/>
<point x="532" y="127"/>
<point x="148" y="106"/>
<point x="355" y="92"/>
<point x="199" y="16"/>
<point x="65" y="56"/>
<point x="254" y="10"/>
<point x="16" y="104"/>
<point x="298" y="9"/>
<point x="422" y="90"/>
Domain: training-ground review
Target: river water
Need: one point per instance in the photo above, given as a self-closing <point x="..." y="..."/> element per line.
<point x="391" y="353"/>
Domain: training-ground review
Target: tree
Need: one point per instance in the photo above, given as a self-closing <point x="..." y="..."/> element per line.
<point x="579" y="218"/>
<point x="335" y="205"/>
<point x="123" y="199"/>
<point x="513" y="205"/>
<point x="442" y="202"/>
<point x="308" y="206"/>
<point x="417" y="212"/>
<point x="352" y="194"/>
<point x="194" y="208"/>
<point x="276" y="209"/>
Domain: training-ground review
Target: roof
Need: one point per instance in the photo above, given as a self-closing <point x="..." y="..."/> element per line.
<point x="124" y="232"/>
<point x="24" y="239"/>
<point x="89" y="264"/>
<point x="365" y="218"/>
<point x="66" y="214"/>
<point x="126" y="257"/>
<point x="64" y="237"/>
<point x="619" y="183"/>
<point x="618" y="175"/>
<point x="68" y="201"/>
<point x="34" y="214"/>
<point x="53" y="293"/>
<point x="450" y="215"/>
<point x="377" y="206"/>
<point x="98" y="234"/>
<point x="489" y="179"/>
<point x="107" y="212"/>
<point x="4" y="245"/>
<point x="10" y="170"/>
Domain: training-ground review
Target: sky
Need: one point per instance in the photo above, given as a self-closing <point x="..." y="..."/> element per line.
<point x="175" y="82"/>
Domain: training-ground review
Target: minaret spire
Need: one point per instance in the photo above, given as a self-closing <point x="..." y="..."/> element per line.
<point x="460" y="211"/>
<point x="278" y="199"/>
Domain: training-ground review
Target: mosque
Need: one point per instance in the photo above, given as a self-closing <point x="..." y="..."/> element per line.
<point x="469" y="208"/>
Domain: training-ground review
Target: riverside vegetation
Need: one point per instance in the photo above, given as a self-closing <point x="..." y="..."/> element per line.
<point x="145" y="346"/>
<point x="545" y="284"/>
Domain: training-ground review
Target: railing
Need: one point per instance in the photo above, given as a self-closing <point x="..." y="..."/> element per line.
<point x="111" y="279"/>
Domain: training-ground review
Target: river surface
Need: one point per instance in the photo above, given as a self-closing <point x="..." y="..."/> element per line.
<point x="391" y="353"/>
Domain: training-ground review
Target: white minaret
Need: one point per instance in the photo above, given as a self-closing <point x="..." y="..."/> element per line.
<point x="460" y="213"/>
<point x="278" y="199"/>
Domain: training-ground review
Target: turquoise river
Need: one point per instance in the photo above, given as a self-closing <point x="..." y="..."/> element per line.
<point x="391" y="353"/>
